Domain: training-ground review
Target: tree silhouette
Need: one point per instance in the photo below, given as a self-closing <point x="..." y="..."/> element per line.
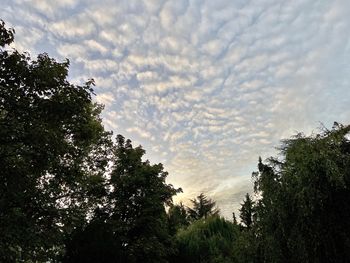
<point x="138" y="203"/>
<point x="202" y="207"/>
<point x="304" y="210"/>
<point x="247" y="211"/>
<point x="51" y="156"/>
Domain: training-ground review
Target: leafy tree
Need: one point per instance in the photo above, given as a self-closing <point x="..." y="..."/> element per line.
<point x="304" y="210"/>
<point x="245" y="247"/>
<point x="137" y="204"/>
<point x="207" y="240"/>
<point x="6" y="35"/>
<point x="52" y="154"/>
<point x="203" y="207"/>
<point x="131" y="225"/>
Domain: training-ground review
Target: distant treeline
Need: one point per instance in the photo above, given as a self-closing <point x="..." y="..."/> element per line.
<point x="70" y="193"/>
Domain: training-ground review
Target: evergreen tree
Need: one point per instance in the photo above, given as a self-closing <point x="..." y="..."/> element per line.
<point x="202" y="207"/>
<point x="247" y="212"/>
<point x="234" y="219"/>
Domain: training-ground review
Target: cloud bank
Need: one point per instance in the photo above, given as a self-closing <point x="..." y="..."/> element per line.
<point x="205" y="86"/>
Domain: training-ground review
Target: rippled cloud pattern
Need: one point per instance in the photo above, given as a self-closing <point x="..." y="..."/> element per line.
<point x="205" y="86"/>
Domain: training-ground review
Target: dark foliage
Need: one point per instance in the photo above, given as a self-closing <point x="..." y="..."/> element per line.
<point x="52" y="154"/>
<point x="137" y="204"/>
<point x="95" y="243"/>
<point x="202" y="207"/>
<point x="304" y="210"/>
<point x="207" y="241"/>
<point x="177" y="218"/>
<point x="247" y="212"/>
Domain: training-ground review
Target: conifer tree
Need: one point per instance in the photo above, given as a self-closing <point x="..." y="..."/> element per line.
<point x="202" y="207"/>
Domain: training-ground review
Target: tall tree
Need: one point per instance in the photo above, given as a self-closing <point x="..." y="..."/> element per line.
<point x="52" y="153"/>
<point x="137" y="204"/>
<point x="202" y="207"/>
<point x="247" y="211"/>
<point x="304" y="210"/>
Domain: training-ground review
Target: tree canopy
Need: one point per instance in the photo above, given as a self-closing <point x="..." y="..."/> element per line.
<point x="138" y="201"/>
<point x="51" y="155"/>
<point x="304" y="210"/>
<point x="207" y="240"/>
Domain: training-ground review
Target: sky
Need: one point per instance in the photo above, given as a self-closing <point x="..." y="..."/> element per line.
<point x="206" y="87"/>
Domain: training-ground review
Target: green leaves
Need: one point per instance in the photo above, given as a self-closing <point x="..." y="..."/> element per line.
<point x="6" y="35"/>
<point x="53" y="153"/>
<point x="207" y="240"/>
<point x="138" y="201"/>
<point x="304" y="203"/>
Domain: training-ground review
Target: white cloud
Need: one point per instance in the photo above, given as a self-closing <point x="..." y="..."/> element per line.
<point x="140" y="132"/>
<point x="105" y="98"/>
<point x="78" y="26"/>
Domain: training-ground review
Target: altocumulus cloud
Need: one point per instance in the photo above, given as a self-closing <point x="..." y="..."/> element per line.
<point x="205" y="86"/>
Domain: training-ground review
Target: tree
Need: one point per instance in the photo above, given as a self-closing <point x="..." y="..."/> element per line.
<point x="137" y="204"/>
<point x="304" y="210"/>
<point x="207" y="240"/>
<point x="245" y="248"/>
<point x="177" y="218"/>
<point x="202" y="208"/>
<point x="247" y="211"/>
<point x="131" y="225"/>
<point x="234" y="219"/>
<point x="52" y="154"/>
<point x="6" y="35"/>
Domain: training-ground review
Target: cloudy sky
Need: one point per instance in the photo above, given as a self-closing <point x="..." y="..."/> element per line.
<point x="205" y="86"/>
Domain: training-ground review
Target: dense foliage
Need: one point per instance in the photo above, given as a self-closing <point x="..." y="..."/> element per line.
<point x="68" y="193"/>
<point x="207" y="240"/>
<point x="303" y="215"/>
<point x="51" y="155"/>
<point x="132" y="216"/>
<point x="57" y="187"/>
